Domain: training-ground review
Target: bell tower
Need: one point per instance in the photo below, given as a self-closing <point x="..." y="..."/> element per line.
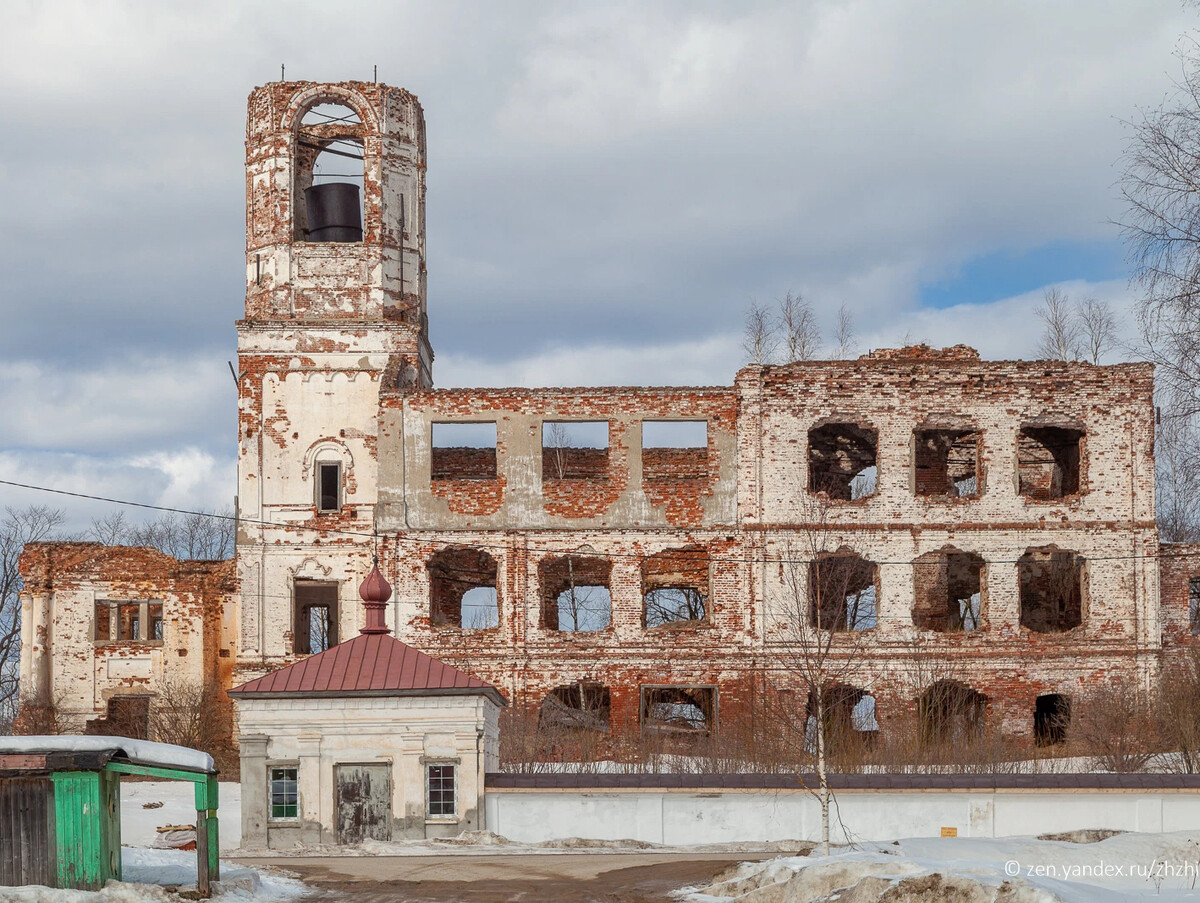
<point x="335" y="311"/>
<point x="335" y="207"/>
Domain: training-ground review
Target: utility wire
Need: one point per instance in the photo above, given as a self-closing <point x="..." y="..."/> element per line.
<point x="678" y="553"/>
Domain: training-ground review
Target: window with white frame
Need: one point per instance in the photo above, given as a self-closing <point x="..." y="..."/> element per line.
<point x="285" y="794"/>
<point x="440" y="795"/>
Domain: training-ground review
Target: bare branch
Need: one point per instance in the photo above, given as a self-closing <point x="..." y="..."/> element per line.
<point x="1060" y="334"/>
<point x="845" y="337"/>
<point x="801" y="335"/>
<point x="1097" y="327"/>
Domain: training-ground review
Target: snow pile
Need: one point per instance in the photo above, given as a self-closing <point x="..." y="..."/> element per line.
<point x="140" y="752"/>
<point x="154" y="876"/>
<point x="1126" y="867"/>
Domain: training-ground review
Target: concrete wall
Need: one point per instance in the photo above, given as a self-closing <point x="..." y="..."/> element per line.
<point x="690" y="817"/>
<point x="318" y="734"/>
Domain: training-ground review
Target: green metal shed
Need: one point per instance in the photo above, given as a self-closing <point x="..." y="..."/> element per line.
<point x="60" y="803"/>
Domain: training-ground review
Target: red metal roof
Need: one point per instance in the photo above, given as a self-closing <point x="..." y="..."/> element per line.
<point x="369" y="663"/>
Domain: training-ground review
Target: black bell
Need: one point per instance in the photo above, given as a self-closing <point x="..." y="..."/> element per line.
<point x="334" y="212"/>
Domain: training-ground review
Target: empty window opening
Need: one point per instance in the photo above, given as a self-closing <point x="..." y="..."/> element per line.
<point x="1048" y="461"/>
<point x="951" y="713"/>
<point x="946" y="463"/>
<point x="127" y="622"/>
<point x="575" y="450"/>
<point x="675" y="587"/>
<point x="124" y="716"/>
<point x="103" y="632"/>
<point x="848" y="714"/>
<point x="842" y="461"/>
<point x="329" y="175"/>
<point x="679" y="710"/>
<point x="575" y="593"/>
<point x="1051" y="718"/>
<point x="948" y="591"/>
<point x="1051" y="589"/>
<point x="842" y="592"/>
<point x="463" y="589"/>
<point x="329" y="486"/>
<point x="1194" y="605"/>
<point x="315" y="616"/>
<point x="463" y="451"/>
<point x="582" y="706"/>
<point x="674" y="450"/>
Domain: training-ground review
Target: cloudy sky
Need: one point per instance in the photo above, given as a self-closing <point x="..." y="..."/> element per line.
<point x="609" y="186"/>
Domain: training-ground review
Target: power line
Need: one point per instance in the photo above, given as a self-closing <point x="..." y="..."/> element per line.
<point x="667" y="553"/>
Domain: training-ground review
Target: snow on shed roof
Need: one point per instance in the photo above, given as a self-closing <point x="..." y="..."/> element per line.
<point x="371" y="664"/>
<point x="139" y="752"/>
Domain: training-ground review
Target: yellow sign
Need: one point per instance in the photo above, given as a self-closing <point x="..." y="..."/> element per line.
<point x="949" y="832"/>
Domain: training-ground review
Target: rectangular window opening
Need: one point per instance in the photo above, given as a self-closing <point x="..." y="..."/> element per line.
<point x="329" y="487"/>
<point x="155" y="611"/>
<point x="463" y="451"/>
<point x="675" y="587"/>
<point x="315" y="616"/>
<point x="575" y="450"/>
<point x="285" y="793"/>
<point x="1194" y="605"/>
<point x="129" y="622"/>
<point x="842" y="461"/>
<point x="674" y="450"/>
<point x="103" y="621"/>
<point x="441" y="798"/>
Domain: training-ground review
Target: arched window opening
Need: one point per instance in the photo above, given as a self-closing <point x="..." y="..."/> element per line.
<point x="842" y="592"/>
<point x="951" y="713"/>
<point x="679" y="710"/>
<point x="575" y="593"/>
<point x="582" y="706"/>
<point x="948" y="591"/>
<point x="848" y="714"/>
<point x="463" y="590"/>
<point x="328" y="204"/>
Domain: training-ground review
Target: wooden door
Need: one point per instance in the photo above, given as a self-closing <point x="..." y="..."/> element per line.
<point x="364" y="803"/>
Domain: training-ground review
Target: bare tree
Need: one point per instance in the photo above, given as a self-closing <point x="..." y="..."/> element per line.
<point x="202" y="535"/>
<point x="1161" y="189"/>
<point x="1178" y="710"/>
<point x="1097" y="327"/>
<point x="800" y="334"/>
<point x="759" y="340"/>
<point x="1117" y="728"/>
<point x="1177" y="475"/>
<point x="844" y="336"/>
<point x="821" y="619"/>
<point x="190" y="713"/>
<point x="1060" y="329"/>
<point x="17" y="527"/>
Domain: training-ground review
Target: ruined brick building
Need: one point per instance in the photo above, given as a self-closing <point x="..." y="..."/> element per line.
<point x="619" y="554"/>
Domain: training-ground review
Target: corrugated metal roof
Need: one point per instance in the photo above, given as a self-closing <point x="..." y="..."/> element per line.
<point x="373" y="663"/>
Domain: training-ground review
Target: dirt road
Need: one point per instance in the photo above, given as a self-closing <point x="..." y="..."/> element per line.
<point x="544" y="878"/>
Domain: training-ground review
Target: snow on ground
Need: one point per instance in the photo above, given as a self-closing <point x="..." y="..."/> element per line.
<point x="178" y="800"/>
<point x="152" y="876"/>
<point x="1127" y="867"/>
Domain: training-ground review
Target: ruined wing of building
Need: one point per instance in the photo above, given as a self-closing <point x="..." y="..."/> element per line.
<point x="615" y="556"/>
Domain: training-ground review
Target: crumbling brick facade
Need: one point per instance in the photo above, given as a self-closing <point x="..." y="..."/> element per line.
<point x="1000" y="514"/>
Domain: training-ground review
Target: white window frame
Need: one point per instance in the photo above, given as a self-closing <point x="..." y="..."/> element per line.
<point x="271" y="769"/>
<point x="429" y="813"/>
